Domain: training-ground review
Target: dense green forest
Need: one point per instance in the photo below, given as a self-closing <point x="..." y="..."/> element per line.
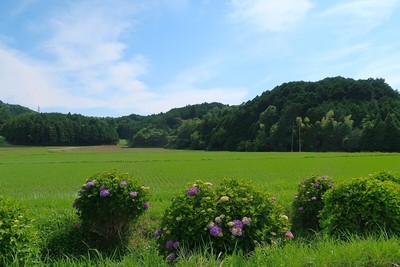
<point x="58" y="129"/>
<point x="334" y="114"/>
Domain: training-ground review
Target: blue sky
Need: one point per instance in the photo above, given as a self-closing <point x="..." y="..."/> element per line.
<point x="118" y="57"/>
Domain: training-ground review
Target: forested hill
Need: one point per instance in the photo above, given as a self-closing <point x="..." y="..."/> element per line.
<point x="334" y="114"/>
<point x="8" y="111"/>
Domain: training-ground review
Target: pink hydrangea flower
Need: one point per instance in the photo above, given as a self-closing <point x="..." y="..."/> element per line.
<point x="289" y="235"/>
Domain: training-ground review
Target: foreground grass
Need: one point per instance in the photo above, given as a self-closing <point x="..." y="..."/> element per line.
<point x="370" y="251"/>
<point x="47" y="180"/>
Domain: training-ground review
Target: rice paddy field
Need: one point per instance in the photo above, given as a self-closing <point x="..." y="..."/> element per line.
<point x="47" y="179"/>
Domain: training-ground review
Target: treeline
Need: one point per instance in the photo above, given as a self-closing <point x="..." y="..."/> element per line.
<point x="334" y="114"/>
<point x="162" y="130"/>
<point x="58" y="129"/>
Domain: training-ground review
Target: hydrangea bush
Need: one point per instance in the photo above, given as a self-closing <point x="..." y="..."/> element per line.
<point x="387" y="176"/>
<point x="18" y="237"/>
<point x="308" y="202"/>
<point x="233" y="216"/>
<point x="362" y="206"/>
<point x="107" y="205"/>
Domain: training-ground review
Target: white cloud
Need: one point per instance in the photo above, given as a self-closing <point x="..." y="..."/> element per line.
<point x="29" y="83"/>
<point x="87" y="42"/>
<point x="269" y="15"/>
<point x="87" y="35"/>
<point x="362" y="15"/>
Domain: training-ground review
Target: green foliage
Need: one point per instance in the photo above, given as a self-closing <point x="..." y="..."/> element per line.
<point x="149" y="137"/>
<point x="387" y="176"/>
<point x="107" y="205"/>
<point x="308" y="202"/>
<point x="2" y="140"/>
<point x="61" y="236"/>
<point x="18" y="238"/>
<point x="234" y="216"/>
<point x="361" y="206"/>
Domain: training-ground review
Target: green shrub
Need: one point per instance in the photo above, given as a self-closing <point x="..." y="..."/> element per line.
<point x="61" y="236"/>
<point x="362" y="206"/>
<point x="107" y="205"/>
<point x="18" y="238"/>
<point x="387" y="176"/>
<point x="234" y="216"/>
<point x="308" y="203"/>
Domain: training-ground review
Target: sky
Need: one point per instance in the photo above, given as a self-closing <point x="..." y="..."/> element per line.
<point x="119" y="57"/>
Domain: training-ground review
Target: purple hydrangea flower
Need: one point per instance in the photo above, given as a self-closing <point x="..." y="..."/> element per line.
<point x="104" y="193"/>
<point x="146" y="205"/>
<point x="102" y="187"/>
<point x="323" y="177"/>
<point x="289" y="235"/>
<point x="307" y="179"/>
<point x="237" y="224"/>
<point x="214" y="229"/>
<point x="171" y="257"/>
<point x="157" y="233"/>
<point x="192" y="191"/>
<point x="176" y="245"/>
<point x="330" y="183"/>
<point x="89" y="184"/>
<point x="316" y="185"/>
<point x="300" y="209"/>
<point x="169" y="244"/>
<point x="133" y="194"/>
<point x="123" y="183"/>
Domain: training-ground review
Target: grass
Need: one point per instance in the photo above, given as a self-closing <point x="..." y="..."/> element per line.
<point x="48" y="178"/>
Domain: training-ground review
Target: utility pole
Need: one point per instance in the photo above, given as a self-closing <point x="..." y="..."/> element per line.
<point x="299" y="138"/>
<point x="292" y="136"/>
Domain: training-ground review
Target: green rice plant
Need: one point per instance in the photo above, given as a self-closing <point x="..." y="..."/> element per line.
<point x="18" y="238"/>
<point x="308" y="203"/>
<point x="107" y="205"/>
<point x="235" y="216"/>
<point x="361" y="206"/>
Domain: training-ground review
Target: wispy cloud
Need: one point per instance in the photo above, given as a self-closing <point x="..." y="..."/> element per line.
<point x="363" y="15"/>
<point x="269" y="15"/>
<point x="29" y="83"/>
<point x="89" y="68"/>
